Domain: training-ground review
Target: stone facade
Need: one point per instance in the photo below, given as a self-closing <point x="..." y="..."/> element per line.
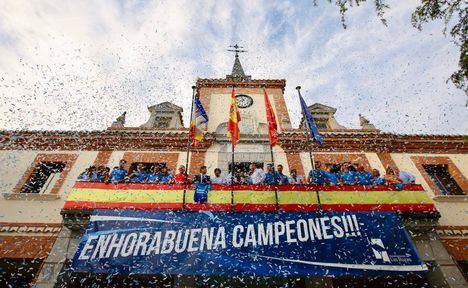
<point x="34" y="220"/>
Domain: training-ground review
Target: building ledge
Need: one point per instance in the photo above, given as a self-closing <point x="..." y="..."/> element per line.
<point x="451" y="198"/>
<point x="31" y="196"/>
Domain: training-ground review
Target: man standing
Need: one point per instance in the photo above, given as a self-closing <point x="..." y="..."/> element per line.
<point x="202" y="178"/>
<point x="180" y="177"/>
<point x="257" y="176"/>
<point x="218" y="179"/>
<point x="406" y="177"/>
<point x="317" y="175"/>
<point x="119" y="173"/>
<point x="281" y="178"/>
<point x="295" y="179"/>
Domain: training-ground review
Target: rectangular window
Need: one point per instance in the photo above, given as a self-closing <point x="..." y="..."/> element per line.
<point x="44" y="177"/>
<point x="443" y="180"/>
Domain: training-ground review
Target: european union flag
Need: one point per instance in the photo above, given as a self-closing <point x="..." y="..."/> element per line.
<point x="314" y="133"/>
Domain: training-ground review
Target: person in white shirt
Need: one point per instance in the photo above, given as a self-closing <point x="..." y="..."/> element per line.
<point x="218" y="179"/>
<point x="295" y="179"/>
<point x="257" y="176"/>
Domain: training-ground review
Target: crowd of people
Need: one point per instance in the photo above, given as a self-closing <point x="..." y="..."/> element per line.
<point x="329" y="174"/>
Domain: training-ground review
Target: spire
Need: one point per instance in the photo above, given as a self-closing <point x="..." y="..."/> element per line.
<point x="237" y="73"/>
<point x="237" y="70"/>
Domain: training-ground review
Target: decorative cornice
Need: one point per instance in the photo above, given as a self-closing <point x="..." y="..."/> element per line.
<point x="30" y="228"/>
<point x="176" y="140"/>
<point x="375" y="142"/>
<point x="98" y="140"/>
<point x="452" y="231"/>
<point x="255" y="83"/>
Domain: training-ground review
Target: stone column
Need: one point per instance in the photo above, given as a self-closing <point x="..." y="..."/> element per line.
<point x="63" y="250"/>
<point x="443" y="271"/>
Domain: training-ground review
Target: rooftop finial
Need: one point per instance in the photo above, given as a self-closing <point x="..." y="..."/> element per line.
<point x="236" y="49"/>
<point x="237" y="70"/>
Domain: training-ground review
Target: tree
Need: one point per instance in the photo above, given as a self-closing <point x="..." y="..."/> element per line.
<point x="430" y="10"/>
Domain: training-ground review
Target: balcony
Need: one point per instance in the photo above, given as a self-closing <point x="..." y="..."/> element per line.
<point x="412" y="200"/>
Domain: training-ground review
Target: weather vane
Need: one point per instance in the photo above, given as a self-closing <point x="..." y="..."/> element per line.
<point x="236" y="49"/>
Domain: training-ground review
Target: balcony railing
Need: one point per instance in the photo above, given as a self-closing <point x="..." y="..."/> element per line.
<point x="86" y="196"/>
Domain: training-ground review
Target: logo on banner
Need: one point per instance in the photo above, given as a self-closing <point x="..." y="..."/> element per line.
<point x="379" y="250"/>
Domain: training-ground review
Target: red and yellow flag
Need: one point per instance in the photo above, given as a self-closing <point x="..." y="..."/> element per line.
<point x="234" y="119"/>
<point x="272" y="126"/>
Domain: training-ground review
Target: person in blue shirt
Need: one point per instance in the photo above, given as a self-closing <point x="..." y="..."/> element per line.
<point x="119" y="173"/>
<point x="139" y="175"/>
<point x="406" y="177"/>
<point x="281" y="178"/>
<point x="153" y="177"/>
<point x="317" y="175"/>
<point x="330" y="176"/>
<point x="348" y="174"/>
<point x="376" y="179"/>
<point x="270" y="177"/>
<point x="86" y="175"/>
<point x="363" y="177"/>
<point x="165" y="177"/>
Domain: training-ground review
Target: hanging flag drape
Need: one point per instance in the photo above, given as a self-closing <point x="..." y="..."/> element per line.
<point x="314" y="133"/>
<point x="272" y="126"/>
<point x="199" y="120"/>
<point x="234" y="119"/>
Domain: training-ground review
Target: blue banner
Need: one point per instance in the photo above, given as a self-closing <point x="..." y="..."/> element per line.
<point x="246" y="243"/>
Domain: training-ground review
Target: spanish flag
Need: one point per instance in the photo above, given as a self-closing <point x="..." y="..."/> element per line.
<point x="271" y="119"/>
<point x="234" y="119"/>
<point x="198" y="125"/>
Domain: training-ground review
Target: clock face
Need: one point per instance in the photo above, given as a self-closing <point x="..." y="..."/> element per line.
<point x="244" y="101"/>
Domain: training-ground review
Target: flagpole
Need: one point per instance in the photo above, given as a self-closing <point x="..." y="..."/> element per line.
<point x="311" y="155"/>
<point x="274" y="177"/>
<point x="232" y="175"/>
<point x="188" y="148"/>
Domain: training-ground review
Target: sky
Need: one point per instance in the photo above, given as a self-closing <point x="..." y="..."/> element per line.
<point x="77" y="65"/>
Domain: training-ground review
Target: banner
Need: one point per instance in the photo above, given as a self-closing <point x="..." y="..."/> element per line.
<point x="246" y="243"/>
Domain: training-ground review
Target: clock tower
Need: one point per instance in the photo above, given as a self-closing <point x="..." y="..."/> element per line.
<point x="215" y="95"/>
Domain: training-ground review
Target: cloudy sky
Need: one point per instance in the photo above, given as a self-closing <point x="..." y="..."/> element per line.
<point x="79" y="64"/>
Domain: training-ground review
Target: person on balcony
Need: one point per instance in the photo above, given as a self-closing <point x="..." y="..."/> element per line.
<point x="119" y="173"/>
<point x="294" y="178"/>
<point x="271" y="177"/>
<point x="139" y="175"/>
<point x="256" y="174"/>
<point x="218" y="179"/>
<point x="348" y="174"/>
<point x="86" y="175"/>
<point x="331" y="178"/>
<point x="153" y="177"/>
<point x="164" y="177"/>
<point x="180" y="177"/>
<point x="405" y="177"/>
<point x="281" y="178"/>
<point x="202" y="178"/>
<point x="363" y="177"/>
<point x="317" y="175"/>
<point x="391" y="178"/>
<point x="376" y="179"/>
